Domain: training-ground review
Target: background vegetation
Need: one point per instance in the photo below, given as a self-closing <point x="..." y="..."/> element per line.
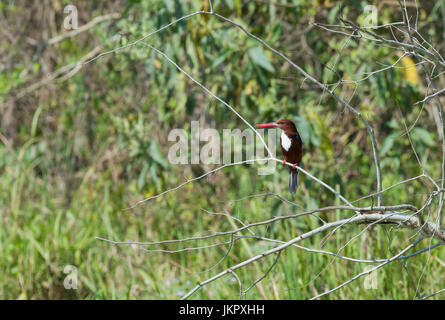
<point x="75" y="152"/>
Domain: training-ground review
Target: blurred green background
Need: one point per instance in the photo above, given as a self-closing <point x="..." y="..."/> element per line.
<point x="75" y="152"/>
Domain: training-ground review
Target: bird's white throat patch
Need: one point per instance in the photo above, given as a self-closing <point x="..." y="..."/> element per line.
<point x="285" y="141"/>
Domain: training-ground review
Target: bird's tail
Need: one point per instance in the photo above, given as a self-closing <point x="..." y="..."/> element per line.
<point x="293" y="181"/>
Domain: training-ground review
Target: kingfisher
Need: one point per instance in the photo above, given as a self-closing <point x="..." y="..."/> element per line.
<point x="291" y="147"/>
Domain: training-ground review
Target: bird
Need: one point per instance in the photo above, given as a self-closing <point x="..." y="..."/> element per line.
<point x="291" y="148"/>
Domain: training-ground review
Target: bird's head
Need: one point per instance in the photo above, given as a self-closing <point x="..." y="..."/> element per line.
<point x="283" y="124"/>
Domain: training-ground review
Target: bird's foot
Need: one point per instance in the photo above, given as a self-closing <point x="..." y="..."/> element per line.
<point x="284" y="162"/>
<point x="294" y="165"/>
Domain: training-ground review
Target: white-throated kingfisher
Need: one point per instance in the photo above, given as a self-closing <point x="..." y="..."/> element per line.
<point x="291" y="147"/>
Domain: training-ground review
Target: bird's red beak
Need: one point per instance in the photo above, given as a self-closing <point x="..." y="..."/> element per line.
<point x="267" y="125"/>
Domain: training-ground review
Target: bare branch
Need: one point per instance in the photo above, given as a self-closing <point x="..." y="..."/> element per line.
<point x="85" y="27"/>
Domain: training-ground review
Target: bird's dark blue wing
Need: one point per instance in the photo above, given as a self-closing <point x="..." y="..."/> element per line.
<point x="298" y="138"/>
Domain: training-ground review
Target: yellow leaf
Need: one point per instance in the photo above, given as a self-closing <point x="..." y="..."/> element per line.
<point x="250" y="87"/>
<point x="157" y="64"/>
<point x="410" y="69"/>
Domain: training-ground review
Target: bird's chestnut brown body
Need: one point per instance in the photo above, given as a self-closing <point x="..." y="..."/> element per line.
<point x="291" y="147"/>
<point x="295" y="152"/>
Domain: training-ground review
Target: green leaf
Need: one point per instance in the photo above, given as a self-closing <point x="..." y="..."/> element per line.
<point x="305" y="131"/>
<point x="230" y="4"/>
<point x="423" y="136"/>
<point x="154" y="175"/>
<point x="142" y="176"/>
<point x="333" y="13"/>
<point x="220" y="59"/>
<point x="157" y="156"/>
<point x="259" y="57"/>
<point x="388" y="143"/>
